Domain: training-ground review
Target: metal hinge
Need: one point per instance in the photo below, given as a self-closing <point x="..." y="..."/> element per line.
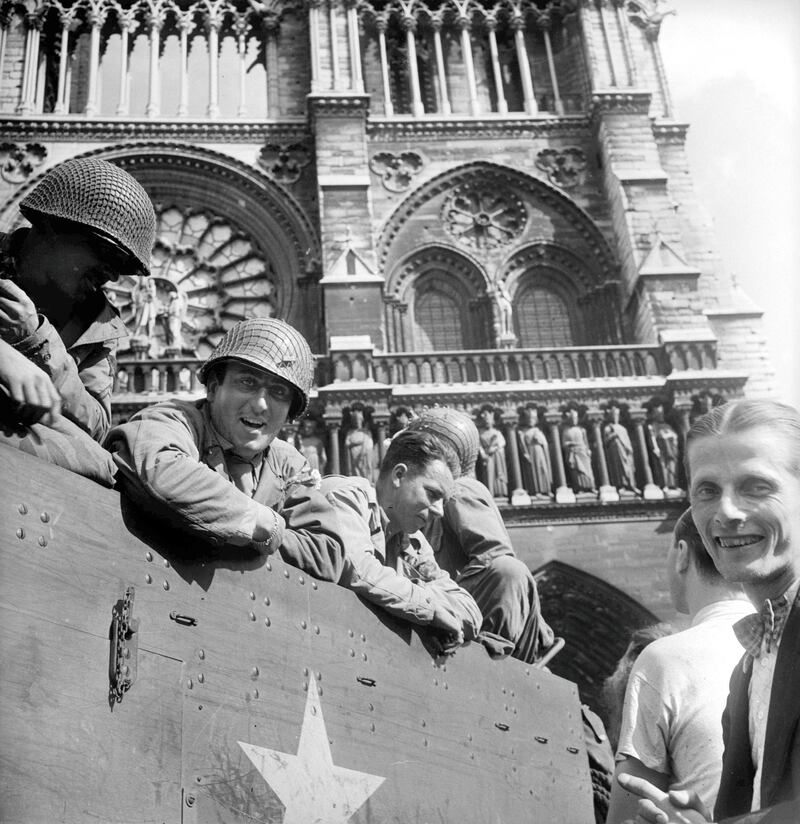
<point x="124" y="647"/>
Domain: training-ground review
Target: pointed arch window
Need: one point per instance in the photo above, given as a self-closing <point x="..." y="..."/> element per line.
<point x="437" y="319"/>
<point x="543" y="319"/>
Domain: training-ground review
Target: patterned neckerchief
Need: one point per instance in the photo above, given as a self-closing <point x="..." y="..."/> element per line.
<point x="760" y="632"/>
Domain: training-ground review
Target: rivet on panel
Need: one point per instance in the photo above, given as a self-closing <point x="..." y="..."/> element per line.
<point x="201" y="654"/>
<point x="350" y="633"/>
<point x="254" y="672"/>
<point x="20" y="533"/>
<point x="252" y="616"/>
<point x="267" y="602"/>
<point x="269" y="567"/>
<point x="301" y="579"/>
<point x="425" y="742"/>
<point x="314" y="585"/>
<point x="364" y="655"/>
<point x="424" y="723"/>
<point x="363" y="637"/>
<point x="166" y="564"/>
<point x="305" y="671"/>
<point x="23" y="510"/>
<point x="255" y="693"/>
<point x="42" y="541"/>
<point x="316" y="630"/>
<point x="372" y="727"/>
<point x="435" y="682"/>
<point x="305" y="689"/>
<point x="189" y="683"/>
<point x="319" y="676"/>
<point x="165" y="585"/>
<point x="252" y="596"/>
<point x="148" y="579"/>
<point x="352" y="653"/>
<point x="371" y="707"/>
<point x="267" y="622"/>
<point x="148" y="556"/>
<point x="45" y="517"/>
<point x="304" y="624"/>
<point x="200" y="677"/>
<point x="285" y="573"/>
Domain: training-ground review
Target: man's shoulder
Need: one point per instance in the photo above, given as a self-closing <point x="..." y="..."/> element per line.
<point x="348" y="485"/>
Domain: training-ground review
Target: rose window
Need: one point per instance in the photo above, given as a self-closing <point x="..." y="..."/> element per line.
<point x="206" y="276"/>
<point x="483" y="218"/>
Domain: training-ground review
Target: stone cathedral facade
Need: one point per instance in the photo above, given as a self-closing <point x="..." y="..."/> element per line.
<point x="472" y="203"/>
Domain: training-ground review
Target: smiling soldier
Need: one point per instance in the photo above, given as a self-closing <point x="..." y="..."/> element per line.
<point x="743" y="463"/>
<point x="216" y="467"/>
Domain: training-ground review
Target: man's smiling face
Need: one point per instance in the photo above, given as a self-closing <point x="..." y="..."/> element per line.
<point x="248" y="407"/>
<point x="746" y="503"/>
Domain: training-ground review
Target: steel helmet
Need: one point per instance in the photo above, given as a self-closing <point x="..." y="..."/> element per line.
<point x="101" y="196"/>
<point x="271" y="345"/>
<point x="455" y="427"/>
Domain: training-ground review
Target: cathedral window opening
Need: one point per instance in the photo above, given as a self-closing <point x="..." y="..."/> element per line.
<point x="437" y="322"/>
<point x="134" y="59"/>
<point x="543" y="319"/>
<point x="425" y="57"/>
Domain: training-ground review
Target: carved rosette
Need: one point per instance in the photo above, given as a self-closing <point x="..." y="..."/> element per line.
<point x="18" y="162"/>
<point x="566" y="167"/>
<point x="396" y="170"/>
<point x="284" y="162"/>
<point x="206" y="275"/>
<point x="482" y="217"/>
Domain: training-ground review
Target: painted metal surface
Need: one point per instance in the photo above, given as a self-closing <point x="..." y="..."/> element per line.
<point x="258" y="693"/>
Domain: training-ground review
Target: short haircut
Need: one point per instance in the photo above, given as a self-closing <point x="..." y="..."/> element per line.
<point x="742" y="415"/>
<point x="418" y="449"/>
<point x="686" y="530"/>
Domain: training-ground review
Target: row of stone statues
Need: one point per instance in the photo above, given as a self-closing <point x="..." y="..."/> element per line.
<point x="359" y="449"/>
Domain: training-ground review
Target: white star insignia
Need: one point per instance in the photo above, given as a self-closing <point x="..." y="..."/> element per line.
<point x="311" y="787"/>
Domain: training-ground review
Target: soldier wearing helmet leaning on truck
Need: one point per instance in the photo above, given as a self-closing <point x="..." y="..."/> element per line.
<point x="91" y="223"/>
<point x="216" y="468"/>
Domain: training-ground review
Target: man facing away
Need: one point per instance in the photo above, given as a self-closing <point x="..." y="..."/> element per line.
<point x="387" y="560"/>
<point x="743" y="465"/>
<point x="215" y="467"/>
<point x="671" y="732"/>
<point x="91" y="223"/>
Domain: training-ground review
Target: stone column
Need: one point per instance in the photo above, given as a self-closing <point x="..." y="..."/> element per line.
<point x="356" y="76"/>
<point x="30" y="66"/>
<point x="183" y="27"/>
<point x="212" y="27"/>
<point x="153" y="108"/>
<point x="61" y="94"/>
<point x="241" y="42"/>
<point x="564" y="494"/>
<point x="545" y="22"/>
<point x="382" y="21"/>
<point x="609" y="57"/>
<point x="607" y="492"/>
<point x="518" y="24"/>
<point x="444" y="99"/>
<point x="336" y="78"/>
<point x="313" y="36"/>
<point x="651" y="492"/>
<point x="625" y="37"/>
<point x="466" y="52"/>
<point x="332" y="426"/>
<point x="519" y="495"/>
<point x="491" y="25"/>
<point x="410" y="26"/>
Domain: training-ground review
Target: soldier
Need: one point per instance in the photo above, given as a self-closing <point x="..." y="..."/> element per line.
<point x="387" y="559"/>
<point x="91" y="223"/>
<point x="472" y="544"/>
<point x="216" y="468"/>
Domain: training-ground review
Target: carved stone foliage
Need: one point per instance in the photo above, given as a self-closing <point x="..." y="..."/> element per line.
<point x="482" y="217"/>
<point x="566" y="167"/>
<point x="284" y="162"/>
<point x="396" y="170"/>
<point x="206" y="275"/>
<point x="18" y="162"/>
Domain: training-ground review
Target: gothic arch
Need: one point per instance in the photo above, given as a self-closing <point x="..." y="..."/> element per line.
<point x="409" y="216"/>
<point x="594" y="618"/>
<point x="195" y="180"/>
<point x="456" y="278"/>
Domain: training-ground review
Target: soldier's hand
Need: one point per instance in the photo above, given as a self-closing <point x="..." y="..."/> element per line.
<point x="658" y="807"/>
<point x="29" y="388"/>
<point x="18" y="316"/>
<point x="451" y="633"/>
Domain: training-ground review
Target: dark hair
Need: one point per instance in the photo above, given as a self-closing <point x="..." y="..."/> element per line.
<point x="686" y="530"/>
<point x="418" y="449"/>
<point x="743" y="415"/>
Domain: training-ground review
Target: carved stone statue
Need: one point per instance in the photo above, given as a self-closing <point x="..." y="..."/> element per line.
<point x="492" y="455"/>
<point x="534" y="455"/>
<point x="175" y="317"/>
<point x="359" y="447"/>
<point x="311" y="446"/>
<point x="577" y="454"/>
<point x="663" y="447"/>
<point x="619" y="451"/>
<point x="145" y="308"/>
<point x="505" y="312"/>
